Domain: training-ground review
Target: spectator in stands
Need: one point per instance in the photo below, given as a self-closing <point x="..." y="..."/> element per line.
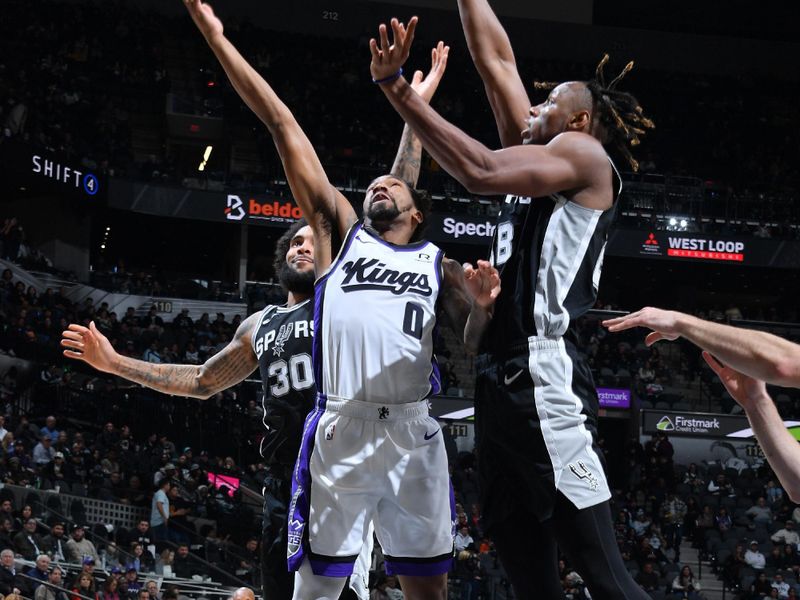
<point x="43" y="452"/>
<point x="132" y="585"/>
<point x="463" y="540"/>
<point x="49" y="429"/>
<point x="693" y="478"/>
<point x="249" y="561"/>
<point x="640" y="523"/>
<point x="761" y="587"/>
<point x="56" y="474"/>
<point x="673" y="512"/>
<point x="787" y="534"/>
<point x="6" y="529"/>
<point x="648" y="578"/>
<point x="779" y="584"/>
<point x="159" y="511"/>
<point x="164" y="562"/>
<point x="152" y="587"/>
<point x="10" y="582"/>
<point x="50" y="591"/>
<point x="85" y="588"/>
<point x="775" y="558"/>
<point x="183" y="565"/>
<point x="142" y="559"/>
<point x="685" y="583"/>
<point x="29" y="544"/>
<point x="754" y="558"/>
<point x="773" y="493"/>
<point x="180" y="528"/>
<point x="56" y="542"/>
<point x="646" y="553"/>
<point x="723" y="521"/>
<point x="78" y="547"/>
<point x="110" y="589"/>
<point x="721" y="486"/>
<point x="3" y="430"/>
<point x="760" y="512"/>
<point x="38" y="573"/>
<point x="732" y="568"/>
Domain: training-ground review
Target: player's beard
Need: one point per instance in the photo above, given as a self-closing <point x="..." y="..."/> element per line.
<point x="382" y="214"/>
<point x="296" y="281"/>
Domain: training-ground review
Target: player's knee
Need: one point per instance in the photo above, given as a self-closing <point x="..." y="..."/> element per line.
<point x="308" y="586"/>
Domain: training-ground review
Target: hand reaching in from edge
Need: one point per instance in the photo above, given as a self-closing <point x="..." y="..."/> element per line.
<point x="387" y="59"/>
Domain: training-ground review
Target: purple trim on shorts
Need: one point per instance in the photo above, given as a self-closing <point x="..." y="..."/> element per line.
<point x="435" y="378"/>
<point x="331" y="569"/>
<point x="418" y="569"/>
<point x="453" y="515"/>
<point x="300" y="506"/>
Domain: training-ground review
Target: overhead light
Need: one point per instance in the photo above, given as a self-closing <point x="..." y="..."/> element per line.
<point x="108" y="228"/>
<point x="683" y="223"/>
<point x="673" y="221"/>
<point x="102" y="246"/>
<point x="206" y="156"/>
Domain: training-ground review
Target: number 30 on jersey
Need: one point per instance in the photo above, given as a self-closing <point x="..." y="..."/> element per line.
<point x="297" y="374"/>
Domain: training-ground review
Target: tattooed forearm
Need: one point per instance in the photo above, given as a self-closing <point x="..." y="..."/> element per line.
<point x="409" y="157"/>
<point x="226" y="368"/>
<point x="180" y="380"/>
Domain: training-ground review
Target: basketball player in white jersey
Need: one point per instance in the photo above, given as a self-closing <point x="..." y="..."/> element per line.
<point x="536" y="406"/>
<point x="370" y="453"/>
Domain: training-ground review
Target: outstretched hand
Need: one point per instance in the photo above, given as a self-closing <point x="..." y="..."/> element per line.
<point x="387" y="59"/>
<point x="89" y="345"/>
<point x="426" y="86"/>
<point x="483" y="283"/>
<point x="742" y="388"/>
<point x="664" y="324"/>
<point x="203" y="16"/>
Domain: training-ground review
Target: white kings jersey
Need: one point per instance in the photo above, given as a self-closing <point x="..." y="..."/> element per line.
<point x="374" y="319"/>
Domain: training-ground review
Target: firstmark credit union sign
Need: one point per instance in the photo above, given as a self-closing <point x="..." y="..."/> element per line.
<point x="692" y="424"/>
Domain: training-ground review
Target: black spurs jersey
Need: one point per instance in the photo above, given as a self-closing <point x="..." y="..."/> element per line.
<point x="282" y="342"/>
<point x="549" y="252"/>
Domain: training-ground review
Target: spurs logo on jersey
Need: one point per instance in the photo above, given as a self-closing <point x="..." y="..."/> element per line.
<point x="377" y="303"/>
<point x="372" y="274"/>
<point x="283" y="335"/>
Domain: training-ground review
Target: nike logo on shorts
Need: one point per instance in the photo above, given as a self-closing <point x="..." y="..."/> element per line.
<point x="509" y="380"/>
<point x="428" y="436"/>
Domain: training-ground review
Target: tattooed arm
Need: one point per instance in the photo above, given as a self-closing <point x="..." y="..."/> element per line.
<point x="228" y="367"/>
<point x="409" y="154"/>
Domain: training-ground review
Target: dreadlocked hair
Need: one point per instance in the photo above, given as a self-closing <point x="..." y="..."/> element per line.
<point x="620" y="115"/>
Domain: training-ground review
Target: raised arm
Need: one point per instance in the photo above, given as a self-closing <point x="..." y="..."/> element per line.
<point x="322" y="204"/>
<point x="227" y="367"/>
<point x="571" y="161"/>
<point x="780" y="447"/>
<point x="409" y="154"/>
<point x="755" y="353"/>
<point x="468" y="298"/>
<point x="491" y="52"/>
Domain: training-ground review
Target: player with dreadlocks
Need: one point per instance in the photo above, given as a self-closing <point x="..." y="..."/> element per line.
<point x="542" y="478"/>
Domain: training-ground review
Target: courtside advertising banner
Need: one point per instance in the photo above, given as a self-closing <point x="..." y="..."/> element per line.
<point x="726" y="440"/>
<point x="223" y="207"/>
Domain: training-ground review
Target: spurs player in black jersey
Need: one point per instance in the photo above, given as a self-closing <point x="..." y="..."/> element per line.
<point x="536" y="406"/>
